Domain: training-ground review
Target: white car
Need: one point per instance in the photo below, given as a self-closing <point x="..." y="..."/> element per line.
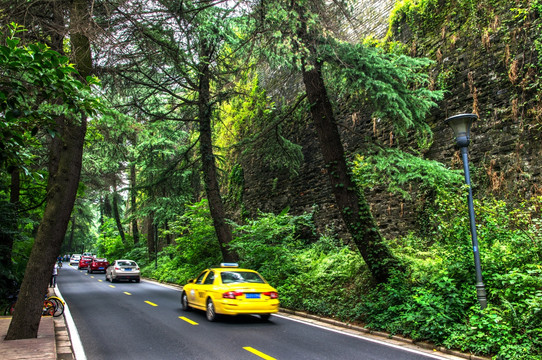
<point x="74" y="260"/>
<point x="122" y="270"/>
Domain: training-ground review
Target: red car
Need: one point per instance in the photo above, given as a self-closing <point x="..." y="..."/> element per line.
<point x="84" y="262"/>
<point x="97" y="265"/>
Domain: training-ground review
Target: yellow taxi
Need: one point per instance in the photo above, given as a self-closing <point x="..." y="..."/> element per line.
<point x="229" y="290"/>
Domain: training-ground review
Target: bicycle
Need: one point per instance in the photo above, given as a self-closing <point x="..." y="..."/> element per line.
<point x="48" y="308"/>
<point x="52" y="306"/>
<point x="58" y="305"/>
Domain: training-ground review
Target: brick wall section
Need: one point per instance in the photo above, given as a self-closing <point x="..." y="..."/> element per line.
<point x="474" y="66"/>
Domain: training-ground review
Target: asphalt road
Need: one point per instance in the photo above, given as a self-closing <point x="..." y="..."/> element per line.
<point x="144" y="321"/>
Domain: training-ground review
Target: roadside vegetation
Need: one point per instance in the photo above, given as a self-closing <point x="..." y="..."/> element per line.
<point x="434" y="301"/>
<point x="182" y="113"/>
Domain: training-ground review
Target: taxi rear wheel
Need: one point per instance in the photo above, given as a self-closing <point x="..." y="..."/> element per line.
<point x="265" y="317"/>
<point x="211" y="312"/>
<point x="184" y="302"/>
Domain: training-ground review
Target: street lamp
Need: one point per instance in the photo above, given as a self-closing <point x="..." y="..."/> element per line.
<point x="461" y="125"/>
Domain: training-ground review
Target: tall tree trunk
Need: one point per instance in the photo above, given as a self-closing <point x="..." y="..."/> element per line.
<point x="116" y="214"/>
<point x="150" y="235"/>
<point x="65" y="167"/>
<point x="65" y="160"/>
<point x="72" y="232"/>
<point x="106" y="209"/>
<point x="212" y="189"/>
<point x="168" y="235"/>
<point x="15" y="186"/>
<point x="353" y="206"/>
<point x="133" y="203"/>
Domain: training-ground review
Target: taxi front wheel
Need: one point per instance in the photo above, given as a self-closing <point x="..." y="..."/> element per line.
<point x="211" y="313"/>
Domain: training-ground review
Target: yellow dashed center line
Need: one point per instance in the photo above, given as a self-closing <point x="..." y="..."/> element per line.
<point x="188" y="320"/>
<point x="258" y="353"/>
<point x="127" y="293"/>
<point x="150" y="303"/>
<point x="92" y="277"/>
<point x="100" y="280"/>
<point x="112" y="286"/>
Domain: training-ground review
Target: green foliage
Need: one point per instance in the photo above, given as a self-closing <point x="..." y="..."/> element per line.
<point x="266" y="243"/>
<point x="401" y="169"/>
<point x="322" y="280"/>
<point x="37" y="84"/>
<point x="429" y="15"/>
<point x="236" y="184"/>
<point x="196" y="247"/>
<point x="252" y="125"/>
<point x="109" y="244"/>
<point x="417" y="13"/>
<point x="395" y="86"/>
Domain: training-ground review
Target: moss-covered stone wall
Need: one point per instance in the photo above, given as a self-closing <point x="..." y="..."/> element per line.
<point x="486" y="58"/>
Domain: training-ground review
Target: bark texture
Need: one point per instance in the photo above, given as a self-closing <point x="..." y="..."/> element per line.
<point x="133" y="203"/>
<point x="65" y="167"/>
<point x="355" y="210"/>
<point x="210" y="177"/>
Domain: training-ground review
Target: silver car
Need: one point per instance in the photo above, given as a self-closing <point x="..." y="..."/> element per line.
<point x="123" y="270"/>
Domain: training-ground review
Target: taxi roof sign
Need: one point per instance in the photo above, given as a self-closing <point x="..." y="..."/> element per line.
<point x="229" y="265"/>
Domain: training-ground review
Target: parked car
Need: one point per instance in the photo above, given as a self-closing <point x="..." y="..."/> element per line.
<point x="83" y="262"/>
<point x="123" y="270"/>
<point x="230" y="290"/>
<point x="74" y="259"/>
<point x="97" y="264"/>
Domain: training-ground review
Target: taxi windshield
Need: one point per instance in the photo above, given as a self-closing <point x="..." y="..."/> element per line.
<point x="230" y="277"/>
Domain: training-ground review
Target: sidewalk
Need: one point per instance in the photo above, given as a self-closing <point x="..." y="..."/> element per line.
<point x="53" y="341"/>
<point x="43" y="347"/>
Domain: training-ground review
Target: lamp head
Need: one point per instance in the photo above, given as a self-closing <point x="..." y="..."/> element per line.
<point x="461" y="125"/>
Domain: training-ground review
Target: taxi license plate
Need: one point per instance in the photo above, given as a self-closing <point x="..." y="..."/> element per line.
<point x="252" y="296"/>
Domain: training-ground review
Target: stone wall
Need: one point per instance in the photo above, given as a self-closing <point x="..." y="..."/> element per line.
<point x="486" y="60"/>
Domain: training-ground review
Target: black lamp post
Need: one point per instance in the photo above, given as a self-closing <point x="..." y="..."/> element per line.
<point x="461" y="125"/>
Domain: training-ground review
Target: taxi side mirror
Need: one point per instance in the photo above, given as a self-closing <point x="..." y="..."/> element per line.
<point x="191" y="281"/>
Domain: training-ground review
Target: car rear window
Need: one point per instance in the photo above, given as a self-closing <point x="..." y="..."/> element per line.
<point x="229" y="277"/>
<point x="127" y="263"/>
